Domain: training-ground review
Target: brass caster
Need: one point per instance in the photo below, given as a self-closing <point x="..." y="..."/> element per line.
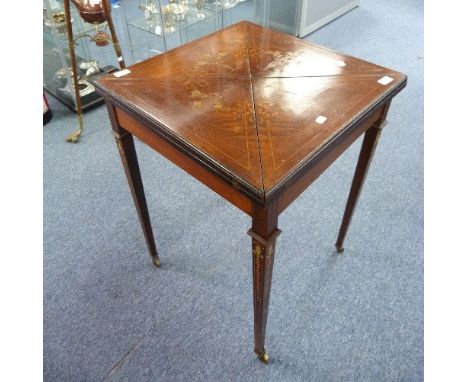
<point x="339" y="248"/>
<point x="263" y="357"/>
<point x="157" y="262"/>
<point x="73" y="138"/>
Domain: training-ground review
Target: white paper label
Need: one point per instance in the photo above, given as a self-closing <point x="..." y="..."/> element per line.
<point x="95" y="2"/>
<point x="385" y="80"/>
<point x="120" y="58"/>
<point x="321" y="119"/>
<point x="122" y="72"/>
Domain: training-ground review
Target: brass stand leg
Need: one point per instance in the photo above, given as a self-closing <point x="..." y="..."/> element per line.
<point x="369" y="144"/>
<point x="264" y="234"/>
<point x="127" y="152"/>
<point x="73" y="137"/>
<point x="115" y="40"/>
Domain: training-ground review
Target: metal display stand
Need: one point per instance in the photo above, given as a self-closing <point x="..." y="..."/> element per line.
<point x="74" y="137"/>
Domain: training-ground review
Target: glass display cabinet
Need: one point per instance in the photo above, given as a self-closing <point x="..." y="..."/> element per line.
<point x="154" y="26"/>
<point x="94" y="57"/>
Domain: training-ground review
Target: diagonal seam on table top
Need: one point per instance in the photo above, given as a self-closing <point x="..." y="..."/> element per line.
<point x="252" y="93"/>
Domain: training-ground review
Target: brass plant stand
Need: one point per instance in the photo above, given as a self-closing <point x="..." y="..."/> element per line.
<point x="75" y="136"/>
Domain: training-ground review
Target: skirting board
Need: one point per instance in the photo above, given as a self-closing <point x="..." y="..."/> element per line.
<point x="305" y="30"/>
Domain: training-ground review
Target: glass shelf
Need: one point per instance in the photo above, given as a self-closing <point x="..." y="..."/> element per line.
<point x="149" y="32"/>
<point x="190" y="19"/>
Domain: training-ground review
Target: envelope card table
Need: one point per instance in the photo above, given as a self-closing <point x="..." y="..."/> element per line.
<point x="255" y="115"/>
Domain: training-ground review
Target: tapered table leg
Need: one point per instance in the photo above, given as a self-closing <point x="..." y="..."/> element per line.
<point x="264" y="234"/>
<point x="129" y="159"/>
<point x="369" y="144"/>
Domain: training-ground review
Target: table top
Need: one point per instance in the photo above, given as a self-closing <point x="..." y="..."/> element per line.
<point x="253" y="104"/>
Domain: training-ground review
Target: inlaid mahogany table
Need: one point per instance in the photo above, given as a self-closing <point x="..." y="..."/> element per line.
<point x="257" y="116"/>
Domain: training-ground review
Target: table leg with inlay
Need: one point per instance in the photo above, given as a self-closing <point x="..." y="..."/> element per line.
<point x="128" y="155"/>
<point x="369" y="144"/>
<point x="264" y="233"/>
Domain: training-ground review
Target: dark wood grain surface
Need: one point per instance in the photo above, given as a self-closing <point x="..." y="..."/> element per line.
<point x="254" y="104"/>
